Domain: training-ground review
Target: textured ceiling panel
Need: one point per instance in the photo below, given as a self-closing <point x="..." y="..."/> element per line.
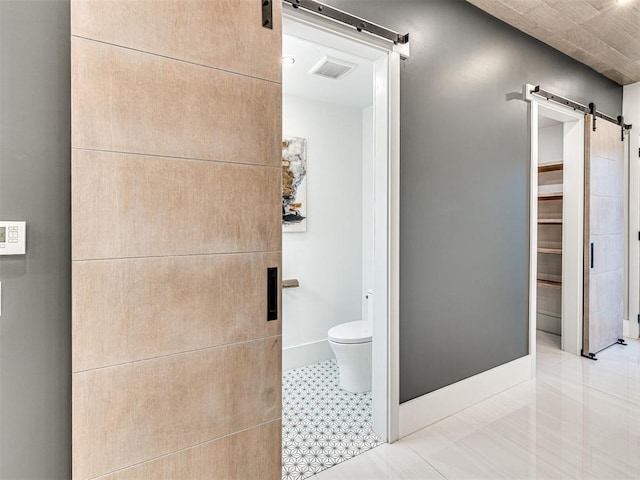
<point x="603" y="34"/>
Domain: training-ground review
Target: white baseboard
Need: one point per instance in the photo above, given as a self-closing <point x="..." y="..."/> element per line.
<point x="306" y="354"/>
<point x="625" y="328"/>
<point x="432" y="407"/>
<point x="549" y="323"/>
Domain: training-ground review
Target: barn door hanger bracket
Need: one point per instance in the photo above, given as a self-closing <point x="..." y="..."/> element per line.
<point x="267" y="14"/>
<point x="623" y="127"/>
<point x="619" y="120"/>
<point x="358" y="23"/>
<point x="592" y="111"/>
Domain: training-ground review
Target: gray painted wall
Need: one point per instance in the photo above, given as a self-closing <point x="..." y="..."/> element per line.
<point x="464" y="183"/>
<point x="35" y="326"/>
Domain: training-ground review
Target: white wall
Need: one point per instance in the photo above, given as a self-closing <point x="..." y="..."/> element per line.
<point x="367" y="203"/>
<point x="631" y="112"/>
<point x="550" y="144"/>
<point x="327" y="258"/>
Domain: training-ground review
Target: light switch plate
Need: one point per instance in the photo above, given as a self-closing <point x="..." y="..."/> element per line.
<point x="13" y="238"/>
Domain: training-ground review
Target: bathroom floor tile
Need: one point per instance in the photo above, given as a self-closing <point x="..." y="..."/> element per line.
<point x="322" y="425"/>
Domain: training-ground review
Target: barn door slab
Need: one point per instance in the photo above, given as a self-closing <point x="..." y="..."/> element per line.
<point x="604" y="236"/>
<point x="176" y="136"/>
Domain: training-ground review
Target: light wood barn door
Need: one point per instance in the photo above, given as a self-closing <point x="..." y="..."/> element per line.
<point x="176" y="165"/>
<point x="604" y="236"/>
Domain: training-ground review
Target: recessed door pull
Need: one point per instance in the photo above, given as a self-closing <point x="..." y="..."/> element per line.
<point x="272" y="293"/>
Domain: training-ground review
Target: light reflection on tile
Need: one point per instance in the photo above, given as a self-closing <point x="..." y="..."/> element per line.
<point x="465" y="449"/>
<point x="382" y="463"/>
<point x="579" y="419"/>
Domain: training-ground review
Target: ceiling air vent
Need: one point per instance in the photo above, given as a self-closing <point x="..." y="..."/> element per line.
<point x="334" y="68"/>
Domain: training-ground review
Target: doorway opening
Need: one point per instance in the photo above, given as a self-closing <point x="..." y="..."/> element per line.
<point x="550" y="223"/>
<point x="578" y="223"/>
<point x="338" y="176"/>
<point x="557" y="209"/>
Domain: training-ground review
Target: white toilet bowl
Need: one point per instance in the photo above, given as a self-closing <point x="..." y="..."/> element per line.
<point x="351" y="344"/>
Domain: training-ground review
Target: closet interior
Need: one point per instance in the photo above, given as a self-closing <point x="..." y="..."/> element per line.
<point x="550" y="199"/>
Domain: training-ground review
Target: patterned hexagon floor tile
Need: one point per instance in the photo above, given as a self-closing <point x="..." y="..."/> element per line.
<point x="322" y="425"/>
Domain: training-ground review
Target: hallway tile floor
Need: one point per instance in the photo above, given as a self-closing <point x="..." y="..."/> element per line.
<point x="322" y="425"/>
<point x="578" y="419"/>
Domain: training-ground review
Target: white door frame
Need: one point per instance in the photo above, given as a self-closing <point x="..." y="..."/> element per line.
<point x="386" y="370"/>
<point x="573" y="220"/>
<point x="631" y="112"/>
<point x="632" y="324"/>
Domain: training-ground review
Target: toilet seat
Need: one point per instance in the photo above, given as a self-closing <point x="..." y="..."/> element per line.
<point x="351" y="332"/>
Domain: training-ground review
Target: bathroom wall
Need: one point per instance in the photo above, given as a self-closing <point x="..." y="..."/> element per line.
<point x="327" y="259"/>
<point x="35" y="325"/>
<point x="367" y="203"/>
<point x="464" y="179"/>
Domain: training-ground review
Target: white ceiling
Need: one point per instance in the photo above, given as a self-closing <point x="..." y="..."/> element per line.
<point x="353" y="90"/>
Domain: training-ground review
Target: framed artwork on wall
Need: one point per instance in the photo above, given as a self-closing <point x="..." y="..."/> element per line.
<point x="294" y="184"/>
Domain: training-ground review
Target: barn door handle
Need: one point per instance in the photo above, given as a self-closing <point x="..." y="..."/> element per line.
<point x="591" y="254"/>
<point x="272" y="293"/>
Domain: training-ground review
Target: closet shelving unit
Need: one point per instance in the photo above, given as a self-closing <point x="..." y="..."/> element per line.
<point x="553" y="222"/>
<point x="550" y="284"/>
<point x="550" y="167"/>
<point x="550" y="251"/>
<point x="550" y="196"/>
<point x="549" y="221"/>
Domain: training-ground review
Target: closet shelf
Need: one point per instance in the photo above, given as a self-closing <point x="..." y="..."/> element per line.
<point x="550" y="167"/>
<point x="550" y="196"/>
<point x="549" y="284"/>
<point x="551" y="251"/>
<point x="549" y="221"/>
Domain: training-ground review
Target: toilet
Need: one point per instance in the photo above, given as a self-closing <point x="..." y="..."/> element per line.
<point x="351" y="344"/>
